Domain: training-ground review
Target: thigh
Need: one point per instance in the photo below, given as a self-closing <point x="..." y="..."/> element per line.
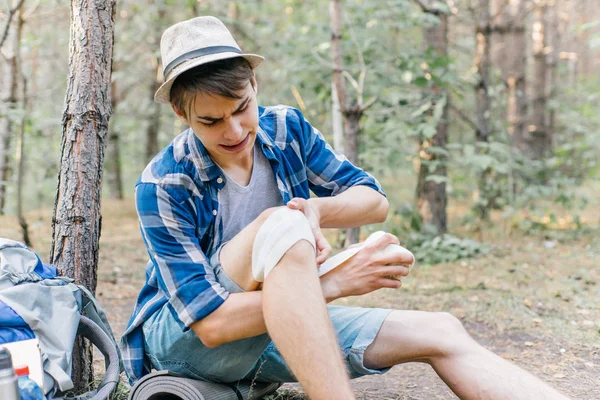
<point x="170" y="346"/>
<point x="355" y="328"/>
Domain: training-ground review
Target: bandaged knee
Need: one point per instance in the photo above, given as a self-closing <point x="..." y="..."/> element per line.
<point x="282" y="230"/>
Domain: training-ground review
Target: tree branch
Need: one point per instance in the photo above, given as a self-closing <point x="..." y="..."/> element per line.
<point x="429" y="10"/>
<point x="464" y="117"/>
<point x="11" y="14"/>
<point x="423" y="6"/>
<point x="368" y="104"/>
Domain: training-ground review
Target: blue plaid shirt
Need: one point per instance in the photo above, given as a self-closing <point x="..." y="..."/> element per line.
<point x="177" y="204"/>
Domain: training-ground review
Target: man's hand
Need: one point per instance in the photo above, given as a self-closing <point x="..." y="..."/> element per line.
<point x="368" y="270"/>
<point x="314" y="218"/>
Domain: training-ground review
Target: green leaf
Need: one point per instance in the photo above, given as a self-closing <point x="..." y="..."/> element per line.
<point x="428" y="131"/>
<point x="421" y="81"/>
<point x="439" y="108"/>
<point x="421" y="110"/>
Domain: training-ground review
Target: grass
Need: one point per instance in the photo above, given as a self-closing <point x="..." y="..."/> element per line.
<point x="534" y="299"/>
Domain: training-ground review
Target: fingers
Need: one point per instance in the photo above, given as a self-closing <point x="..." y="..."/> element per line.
<point x="383" y="241"/>
<point x="389" y="283"/>
<point x="323" y="247"/>
<point x="391" y="270"/>
<point x="395" y="256"/>
<point x="297" y="203"/>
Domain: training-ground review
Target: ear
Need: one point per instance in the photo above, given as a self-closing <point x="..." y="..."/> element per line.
<point x="179" y="114"/>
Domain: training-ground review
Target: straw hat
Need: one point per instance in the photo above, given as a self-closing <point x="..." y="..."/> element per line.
<point x="191" y="43"/>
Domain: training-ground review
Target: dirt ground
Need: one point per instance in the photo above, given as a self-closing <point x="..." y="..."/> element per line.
<point x="533" y="300"/>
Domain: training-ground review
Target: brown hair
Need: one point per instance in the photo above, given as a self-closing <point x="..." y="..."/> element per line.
<point x="222" y="78"/>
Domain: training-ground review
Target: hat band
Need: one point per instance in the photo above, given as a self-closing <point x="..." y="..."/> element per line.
<point x="197" y="53"/>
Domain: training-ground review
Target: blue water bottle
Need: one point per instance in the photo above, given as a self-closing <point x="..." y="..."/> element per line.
<point x="28" y="389"/>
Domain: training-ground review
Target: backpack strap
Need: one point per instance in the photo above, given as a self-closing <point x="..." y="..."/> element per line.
<point x="92" y="310"/>
<point x="62" y="379"/>
<point x="96" y="335"/>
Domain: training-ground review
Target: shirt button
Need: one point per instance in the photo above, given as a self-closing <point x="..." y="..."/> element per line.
<point x="219" y="180"/>
<point x="215" y="213"/>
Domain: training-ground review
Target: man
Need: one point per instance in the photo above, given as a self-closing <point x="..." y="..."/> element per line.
<point x="232" y="287"/>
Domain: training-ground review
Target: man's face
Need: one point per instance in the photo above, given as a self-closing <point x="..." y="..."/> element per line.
<point x="226" y="127"/>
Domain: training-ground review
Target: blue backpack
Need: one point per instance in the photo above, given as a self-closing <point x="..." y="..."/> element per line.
<point x="36" y="303"/>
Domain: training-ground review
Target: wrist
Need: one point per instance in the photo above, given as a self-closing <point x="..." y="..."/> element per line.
<point x="330" y="289"/>
<point x="317" y="206"/>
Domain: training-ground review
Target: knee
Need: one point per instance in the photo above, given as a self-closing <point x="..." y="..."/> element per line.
<point x="450" y="323"/>
<point x="284" y="233"/>
<point x="264" y="216"/>
<point x="453" y="338"/>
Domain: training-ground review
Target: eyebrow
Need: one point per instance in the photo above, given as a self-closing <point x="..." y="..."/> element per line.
<point x="242" y="105"/>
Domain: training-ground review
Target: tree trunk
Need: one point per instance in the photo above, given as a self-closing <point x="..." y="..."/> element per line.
<point x="351" y="114"/>
<point x="113" y="164"/>
<point x="113" y="152"/>
<point x="482" y="65"/>
<point x="584" y="15"/>
<point x="19" y="156"/>
<point x="554" y="38"/>
<point x="539" y="142"/>
<point x="510" y="56"/>
<point x="8" y="95"/>
<point x="431" y="194"/>
<point x="153" y="127"/>
<point x="154" y="118"/>
<point x="20" y="161"/>
<point x="337" y="121"/>
<point x="76" y="222"/>
<point x="352" y="118"/>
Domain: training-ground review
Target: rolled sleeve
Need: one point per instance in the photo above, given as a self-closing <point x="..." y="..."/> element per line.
<point x="329" y="172"/>
<point x="183" y="271"/>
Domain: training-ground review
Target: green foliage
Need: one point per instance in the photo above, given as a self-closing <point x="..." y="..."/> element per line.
<point x="445" y="248"/>
<point x="382" y="41"/>
<point x="426" y="245"/>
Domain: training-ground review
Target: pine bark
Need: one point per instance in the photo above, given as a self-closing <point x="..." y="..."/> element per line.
<point x="20" y="153"/>
<point x="509" y="54"/>
<point x="351" y="111"/>
<point x="154" y="118"/>
<point x="9" y="86"/>
<point x="554" y="38"/>
<point x="482" y="65"/>
<point x="20" y="161"/>
<point x="337" y="121"/>
<point x="539" y="141"/>
<point x="113" y="152"/>
<point x="483" y="132"/>
<point x="76" y="222"/>
<point x="431" y="196"/>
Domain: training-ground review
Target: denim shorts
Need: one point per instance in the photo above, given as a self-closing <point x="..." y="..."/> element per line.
<point x="170" y="346"/>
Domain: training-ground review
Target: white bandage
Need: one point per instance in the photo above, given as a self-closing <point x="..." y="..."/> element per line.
<point x="389" y="250"/>
<point x="283" y="229"/>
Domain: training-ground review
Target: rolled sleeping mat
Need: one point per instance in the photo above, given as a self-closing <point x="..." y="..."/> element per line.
<point x="167" y="385"/>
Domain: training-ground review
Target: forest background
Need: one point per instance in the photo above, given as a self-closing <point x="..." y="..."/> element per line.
<point x="480" y="118"/>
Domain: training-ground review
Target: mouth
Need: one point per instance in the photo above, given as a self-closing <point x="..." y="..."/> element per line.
<point x="236" y="147"/>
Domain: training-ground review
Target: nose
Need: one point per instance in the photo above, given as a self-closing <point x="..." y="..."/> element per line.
<point x="234" y="131"/>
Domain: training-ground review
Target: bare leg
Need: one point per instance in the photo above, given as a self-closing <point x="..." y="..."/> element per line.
<point x="295" y="313"/>
<point x="470" y="370"/>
